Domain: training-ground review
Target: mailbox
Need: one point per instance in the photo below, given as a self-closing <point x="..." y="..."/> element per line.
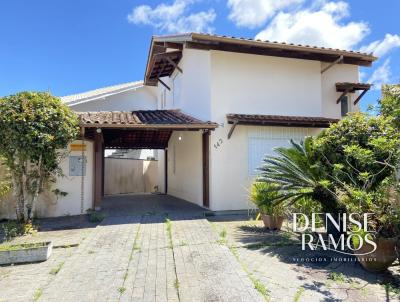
<point x="77" y="165"/>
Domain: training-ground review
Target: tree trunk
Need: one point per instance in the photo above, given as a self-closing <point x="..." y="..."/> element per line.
<point x="19" y="196"/>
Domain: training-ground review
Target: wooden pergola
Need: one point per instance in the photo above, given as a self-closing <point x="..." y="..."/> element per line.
<point x="347" y="87"/>
<point x="145" y="129"/>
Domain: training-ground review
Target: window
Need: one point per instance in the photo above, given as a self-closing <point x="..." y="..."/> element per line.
<point x="344" y="105"/>
<point x="260" y="147"/>
<point x="263" y="142"/>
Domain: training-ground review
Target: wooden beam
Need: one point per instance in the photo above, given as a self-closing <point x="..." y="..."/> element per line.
<point x="278" y="52"/>
<point x="98" y="169"/>
<point x="166" y="169"/>
<point x="170" y="45"/>
<point x="339" y="60"/>
<point x="174" y="64"/>
<point x="165" y="85"/>
<point x="232" y="128"/>
<point x="103" y="165"/>
<point x="206" y="168"/>
<point x="360" y="96"/>
<point x="342" y="95"/>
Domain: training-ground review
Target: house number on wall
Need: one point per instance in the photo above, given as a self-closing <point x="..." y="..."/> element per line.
<point x="218" y="143"/>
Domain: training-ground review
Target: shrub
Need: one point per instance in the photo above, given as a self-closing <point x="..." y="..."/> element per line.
<point x="359" y="151"/>
<point x="263" y="195"/>
<point x="34" y="127"/>
<point x="95" y="216"/>
<point x="13" y="229"/>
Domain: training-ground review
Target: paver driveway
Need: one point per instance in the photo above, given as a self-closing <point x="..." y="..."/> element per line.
<point x="135" y="254"/>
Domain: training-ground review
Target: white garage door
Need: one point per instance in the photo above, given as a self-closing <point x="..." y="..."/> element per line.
<point x="263" y="142"/>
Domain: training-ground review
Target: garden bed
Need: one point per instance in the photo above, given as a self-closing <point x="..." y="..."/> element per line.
<point x="25" y="253"/>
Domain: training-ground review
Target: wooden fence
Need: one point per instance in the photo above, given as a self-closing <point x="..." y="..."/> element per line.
<point x="129" y="175"/>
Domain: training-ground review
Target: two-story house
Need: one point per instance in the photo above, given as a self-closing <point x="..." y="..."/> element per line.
<point x="260" y="93"/>
<point x="212" y="106"/>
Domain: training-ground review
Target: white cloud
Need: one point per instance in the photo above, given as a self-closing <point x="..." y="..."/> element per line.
<point x="382" y="47"/>
<point x="253" y="13"/>
<point x="381" y="75"/>
<point x="173" y="18"/>
<point x="321" y="25"/>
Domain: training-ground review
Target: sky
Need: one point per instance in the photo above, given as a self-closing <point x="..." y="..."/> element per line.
<point x="71" y="46"/>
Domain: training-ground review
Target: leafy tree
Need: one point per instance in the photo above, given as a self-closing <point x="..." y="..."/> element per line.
<point x="35" y="127"/>
<point x="359" y="151"/>
<point x="389" y="105"/>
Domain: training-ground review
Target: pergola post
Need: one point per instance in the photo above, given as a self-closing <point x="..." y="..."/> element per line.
<point x="98" y="169"/>
<point x="206" y="168"/>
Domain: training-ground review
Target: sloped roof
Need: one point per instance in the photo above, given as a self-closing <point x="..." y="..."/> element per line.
<point x="142" y="119"/>
<point x="74" y="99"/>
<point x="158" y="66"/>
<point x="280" y="120"/>
<point x="190" y="37"/>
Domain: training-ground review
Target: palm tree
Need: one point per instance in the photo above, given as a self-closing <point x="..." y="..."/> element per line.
<point x="298" y="175"/>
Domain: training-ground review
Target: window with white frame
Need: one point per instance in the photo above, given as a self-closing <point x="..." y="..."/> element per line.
<point x="263" y="143"/>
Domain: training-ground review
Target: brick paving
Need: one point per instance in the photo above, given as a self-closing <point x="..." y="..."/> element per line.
<point x="133" y="255"/>
<point x="269" y="256"/>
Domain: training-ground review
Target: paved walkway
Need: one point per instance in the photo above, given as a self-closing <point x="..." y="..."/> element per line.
<point x="138" y="256"/>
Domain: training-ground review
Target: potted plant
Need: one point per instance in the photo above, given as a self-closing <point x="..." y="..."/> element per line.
<point x="383" y="226"/>
<point x="263" y="195"/>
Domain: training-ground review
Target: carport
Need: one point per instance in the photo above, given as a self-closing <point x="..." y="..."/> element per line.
<point x="143" y="129"/>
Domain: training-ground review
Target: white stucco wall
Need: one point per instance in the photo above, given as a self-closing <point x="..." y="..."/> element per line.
<point x="48" y="205"/>
<point x="194" y="85"/>
<point x="185" y="178"/>
<point x="229" y="167"/>
<point x="252" y="84"/>
<point x="141" y="98"/>
<point x="71" y="204"/>
<point x="335" y="74"/>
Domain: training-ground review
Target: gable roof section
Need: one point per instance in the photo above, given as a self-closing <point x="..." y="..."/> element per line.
<point x="75" y="99"/>
<point x="161" y="45"/>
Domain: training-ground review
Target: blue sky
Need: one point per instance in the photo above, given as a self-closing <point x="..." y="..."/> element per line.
<point x="71" y="46"/>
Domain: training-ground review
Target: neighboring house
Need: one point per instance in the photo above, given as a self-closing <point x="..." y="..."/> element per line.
<point x="122" y="97"/>
<point x="214" y="106"/>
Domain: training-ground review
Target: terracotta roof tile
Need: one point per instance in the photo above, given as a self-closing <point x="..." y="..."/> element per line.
<point x="280" y="120"/>
<point x="141" y="118"/>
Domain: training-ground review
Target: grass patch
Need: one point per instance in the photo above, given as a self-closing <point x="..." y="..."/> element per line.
<point x="121" y="290"/>
<point x="176" y="284"/>
<point x="95" y="216"/>
<point x="37" y="294"/>
<point x="23" y="246"/>
<point x="223" y="233"/>
<point x="55" y="270"/>
<point x="337" y="277"/>
<point x="298" y="294"/>
<point x="258" y="285"/>
<point x="392" y="289"/>
<point x="168" y="224"/>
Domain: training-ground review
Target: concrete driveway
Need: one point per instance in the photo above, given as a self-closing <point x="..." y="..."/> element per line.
<point x="149" y="248"/>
